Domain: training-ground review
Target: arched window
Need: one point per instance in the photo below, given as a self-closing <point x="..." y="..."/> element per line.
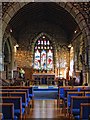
<point x="43" y="54"/>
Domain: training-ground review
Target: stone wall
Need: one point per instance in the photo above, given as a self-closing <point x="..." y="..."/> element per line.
<point x="78" y="52"/>
<point x="80" y="58"/>
<point x="26" y="40"/>
<point x="24" y="58"/>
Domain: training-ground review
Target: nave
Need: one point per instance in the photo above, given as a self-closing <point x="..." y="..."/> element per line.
<point x="21" y="103"/>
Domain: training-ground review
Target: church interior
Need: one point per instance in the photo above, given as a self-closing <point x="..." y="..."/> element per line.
<point x="45" y="60"/>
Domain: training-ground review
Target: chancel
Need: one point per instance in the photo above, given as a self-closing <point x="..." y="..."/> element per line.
<point x="44" y="78"/>
<point x="45" y="60"/>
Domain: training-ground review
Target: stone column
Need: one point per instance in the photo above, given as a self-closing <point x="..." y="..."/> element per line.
<point x="88" y="75"/>
<point x="89" y="57"/>
<point x="1" y="55"/>
<point x="2" y="73"/>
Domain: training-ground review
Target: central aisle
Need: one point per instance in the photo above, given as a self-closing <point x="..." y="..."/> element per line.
<point x="45" y="109"/>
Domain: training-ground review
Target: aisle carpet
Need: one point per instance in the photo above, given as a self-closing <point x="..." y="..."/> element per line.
<point x="45" y="93"/>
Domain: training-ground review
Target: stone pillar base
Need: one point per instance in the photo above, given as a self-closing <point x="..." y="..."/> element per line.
<point x="88" y="78"/>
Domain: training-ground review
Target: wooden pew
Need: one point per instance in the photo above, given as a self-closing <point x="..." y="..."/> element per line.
<point x="31" y="94"/>
<point x="86" y="89"/>
<point x="7" y="110"/>
<point x="25" y="103"/>
<point x="3" y="94"/>
<point x="75" y="103"/>
<point x="19" y="90"/>
<point x="20" y="87"/>
<point x="17" y="93"/>
<point x="29" y="101"/>
<point x="61" y="93"/>
<point x="69" y="95"/>
<point x="84" y="111"/>
<point x="20" y="94"/>
<point x="17" y="101"/>
<point x="87" y="93"/>
<point x="62" y="89"/>
<point x="77" y="89"/>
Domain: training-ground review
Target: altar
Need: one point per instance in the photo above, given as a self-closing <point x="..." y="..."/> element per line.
<point x="44" y="78"/>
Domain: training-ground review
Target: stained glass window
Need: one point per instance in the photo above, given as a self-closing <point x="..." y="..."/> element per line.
<point x="36" y="47"/>
<point x="49" y="60"/>
<point x="43" y="54"/>
<point x="44" y="47"/>
<point x="47" y="42"/>
<point x="41" y="47"/>
<point x="38" y="42"/>
<point x="37" y="60"/>
<point x="44" y="42"/>
<point x="43" y="59"/>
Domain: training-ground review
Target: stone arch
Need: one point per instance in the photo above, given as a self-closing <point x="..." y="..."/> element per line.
<point x="42" y="34"/>
<point x="8" y="65"/>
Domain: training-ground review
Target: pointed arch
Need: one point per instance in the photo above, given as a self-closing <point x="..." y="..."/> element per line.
<point x="40" y="35"/>
<point x="8" y="56"/>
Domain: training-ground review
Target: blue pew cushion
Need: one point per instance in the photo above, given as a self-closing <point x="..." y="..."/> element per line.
<point x="76" y="111"/>
<point x="28" y="99"/>
<point x="25" y="104"/>
<point x="69" y="104"/>
<point x="77" y="117"/>
<point x="23" y="110"/>
<point x="17" y="111"/>
<point x="31" y="95"/>
<point x="15" y="117"/>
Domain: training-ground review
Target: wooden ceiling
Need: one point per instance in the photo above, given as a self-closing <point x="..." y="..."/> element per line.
<point x="50" y="12"/>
